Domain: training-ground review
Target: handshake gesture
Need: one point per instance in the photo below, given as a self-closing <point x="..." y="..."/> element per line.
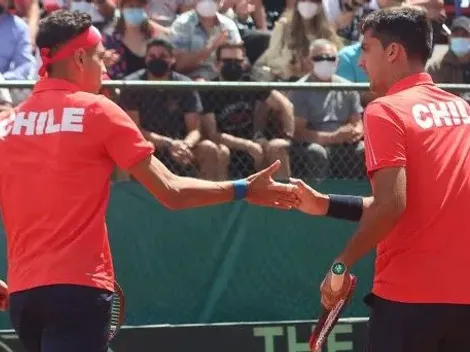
<point x="264" y="191"/>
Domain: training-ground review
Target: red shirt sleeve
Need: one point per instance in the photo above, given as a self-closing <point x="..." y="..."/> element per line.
<point x="384" y="137"/>
<point x="122" y="139"/>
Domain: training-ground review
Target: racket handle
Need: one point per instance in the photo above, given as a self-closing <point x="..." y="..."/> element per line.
<point x="336" y="282"/>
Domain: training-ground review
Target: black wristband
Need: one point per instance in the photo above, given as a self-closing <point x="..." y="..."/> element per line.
<point x="345" y="207"/>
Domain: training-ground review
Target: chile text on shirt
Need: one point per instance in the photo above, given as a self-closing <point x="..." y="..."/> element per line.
<point x="31" y="123"/>
<point x="438" y="114"/>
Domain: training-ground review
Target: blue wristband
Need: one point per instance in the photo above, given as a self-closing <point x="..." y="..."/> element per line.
<point x="240" y="189"/>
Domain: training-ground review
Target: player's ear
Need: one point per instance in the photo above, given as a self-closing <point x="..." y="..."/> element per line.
<point x="80" y="57"/>
<point x="392" y="51"/>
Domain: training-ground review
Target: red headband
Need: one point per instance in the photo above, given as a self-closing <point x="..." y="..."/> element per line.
<point x="88" y="39"/>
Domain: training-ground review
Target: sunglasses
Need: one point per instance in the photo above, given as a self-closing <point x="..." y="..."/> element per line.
<point x="323" y="58"/>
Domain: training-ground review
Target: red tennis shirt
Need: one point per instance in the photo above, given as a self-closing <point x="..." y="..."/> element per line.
<point x="57" y="152"/>
<point x="424" y="259"/>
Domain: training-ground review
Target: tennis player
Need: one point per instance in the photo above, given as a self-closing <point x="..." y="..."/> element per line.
<point x="57" y="152"/>
<point x="417" y="139"/>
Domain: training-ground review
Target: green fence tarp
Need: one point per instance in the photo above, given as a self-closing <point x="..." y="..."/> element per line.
<point x="228" y="263"/>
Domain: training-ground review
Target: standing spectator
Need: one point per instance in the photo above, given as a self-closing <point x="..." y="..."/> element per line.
<point x="454" y="65"/>
<point x="170" y="119"/>
<point x="289" y="45"/>
<point x="197" y="34"/>
<point x="329" y="126"/>
<point x="127" y="43"/>
<point x="16" y="59"/>
<point x="230" y="118"/>
<point x="165" y="11"/>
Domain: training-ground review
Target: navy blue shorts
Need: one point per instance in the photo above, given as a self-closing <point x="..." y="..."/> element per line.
<point x="62" y="318"/>
<point x="409" y="327"/>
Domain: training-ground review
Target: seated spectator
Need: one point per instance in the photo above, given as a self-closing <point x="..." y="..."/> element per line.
<point x="197" y="34"/>
<point x="454" y="65"/>
<point x="246" y="12"/>
<point x="127" y="42"/>
<point x="170" y="118"/>
<point x="165" y="11"/>
<point x="230" y="119"/>
<point x="275" y="8"/>
<point x="6" y="102"/>
<point x="30" y="11"/>
<point x="16" y="58"/>
<point x="249" y="17"/>
<point x="101" y="11"/>
<point x="348" y="67"/>
<point x="329" y="130"/>
<point x="285" y="58"/>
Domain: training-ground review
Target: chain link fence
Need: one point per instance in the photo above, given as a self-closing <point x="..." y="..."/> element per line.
<point x="229" y="130"/>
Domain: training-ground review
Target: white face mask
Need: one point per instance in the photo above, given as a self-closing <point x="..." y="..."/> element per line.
<point x="324" y="70"/>
<point x="307" y="9"/>
<point x="207" y="8"/>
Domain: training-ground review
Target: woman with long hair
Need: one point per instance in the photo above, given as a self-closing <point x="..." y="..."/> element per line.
<point x="287" y="55"/>
<point x="127" y="42"/>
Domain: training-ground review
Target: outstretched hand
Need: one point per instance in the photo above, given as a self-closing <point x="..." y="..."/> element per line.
<point x="264" y="191"/>
<point x="311" y="201"/>
<point x="3" y="296"/>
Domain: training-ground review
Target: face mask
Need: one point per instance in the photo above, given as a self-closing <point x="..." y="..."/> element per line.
<point x="134" y="16"/>
<point x="158" y="67"/>
<point x="460" y="46"/>
<point x="324" y="69"/>
<point x="232" y="71"/>
<point x="206" y="8"/>
<point x="307" y="9"/>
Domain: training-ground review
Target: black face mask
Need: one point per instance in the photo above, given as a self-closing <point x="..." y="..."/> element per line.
<point x="158" y="67"/>
<point x="232" y="70"/>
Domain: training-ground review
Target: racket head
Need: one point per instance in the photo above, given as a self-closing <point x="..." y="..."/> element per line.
<point x="329" y="318"/>
<point x="117" y="311"/>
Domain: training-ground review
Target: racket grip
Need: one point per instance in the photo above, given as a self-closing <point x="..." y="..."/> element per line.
<point x="336" y="282"/>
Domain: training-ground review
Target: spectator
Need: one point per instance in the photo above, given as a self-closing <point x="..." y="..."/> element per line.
<point x="329" y="126"/>
<point x="101" y="11"/>
<point x="247" y="13"/>
<point x="170" y="119"/>
<point x="6" y="103"/>
<point x="348" y="67"/>
<point x="127" y="43"/>
<point x="30" y="11"/>
<point x="197" y="35"/>
<point x="275" y="8"/>
<point x="454" y="65"/>
<point x="165" y="11"/>
<point x="16" y="59"/>
<point x="345" y="15"/>
<point x="230" y="118"/>
<point x="289" y="45"/>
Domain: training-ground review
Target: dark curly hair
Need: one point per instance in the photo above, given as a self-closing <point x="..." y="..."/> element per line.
<point x="60" y="27"/>
<point x="405" y="25"/>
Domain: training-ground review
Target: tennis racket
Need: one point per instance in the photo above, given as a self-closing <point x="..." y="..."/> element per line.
<point x="328" y="319"/>
<point x="117" y="311"/>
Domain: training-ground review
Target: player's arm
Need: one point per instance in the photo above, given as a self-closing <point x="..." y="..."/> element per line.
<point x="121" y="141"/>
<point x="386" y="161"/>
<point x="379" y="215"/>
